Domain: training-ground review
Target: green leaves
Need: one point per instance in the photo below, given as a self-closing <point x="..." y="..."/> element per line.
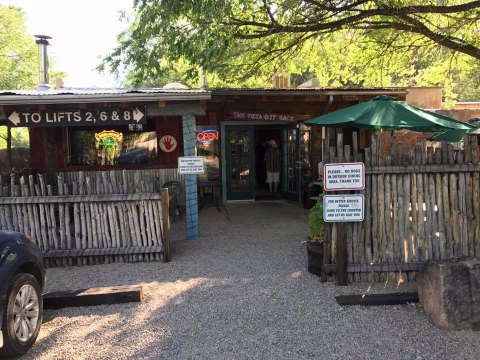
<point x="18" y="52"/>
<point x="315" y="222"/>
<point x="344" y="43"/>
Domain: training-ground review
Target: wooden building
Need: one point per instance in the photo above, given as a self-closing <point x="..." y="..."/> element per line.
<point x="247" y="118"/>
<point x="75" y="130"/>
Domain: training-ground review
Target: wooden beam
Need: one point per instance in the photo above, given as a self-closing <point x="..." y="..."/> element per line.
<point x="378" y="299"/>
<point x="130" y="250"/>
<point x="183" y="109"/>
<point x="92" y="297"/>
<point x="382" y="267"/>
<point x="166" y="224"/>
<point x="408" y="169"/>
<point x="78" y="198"/>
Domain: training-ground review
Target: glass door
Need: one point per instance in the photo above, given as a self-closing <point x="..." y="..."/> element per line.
<point x="240" y="162"/>
<point x="290" y="167"/>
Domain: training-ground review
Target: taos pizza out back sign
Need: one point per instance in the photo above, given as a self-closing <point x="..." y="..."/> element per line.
<point x="344" y="176"/>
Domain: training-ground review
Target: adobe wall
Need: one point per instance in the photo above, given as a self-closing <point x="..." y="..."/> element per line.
<point x="425" y="97"/>
<point x="461" y="114"/>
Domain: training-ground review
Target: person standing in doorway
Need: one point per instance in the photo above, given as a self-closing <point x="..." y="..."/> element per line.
<point x="272" y="158"/>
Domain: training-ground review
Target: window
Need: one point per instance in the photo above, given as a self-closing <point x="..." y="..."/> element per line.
<point x="111" y="147"/>
<point x="208" y="140"/>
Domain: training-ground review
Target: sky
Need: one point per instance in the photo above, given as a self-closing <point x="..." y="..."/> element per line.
<point x="82" y="31"/>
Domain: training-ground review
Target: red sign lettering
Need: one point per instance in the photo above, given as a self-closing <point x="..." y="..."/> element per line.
<point x="207" y="136"/>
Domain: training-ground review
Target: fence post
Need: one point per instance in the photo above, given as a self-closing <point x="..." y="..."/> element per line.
<point x="165" y="224"/>
<point x="342" y="255"/>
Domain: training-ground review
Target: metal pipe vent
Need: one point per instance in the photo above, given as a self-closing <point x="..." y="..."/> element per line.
<point x="43" y="80"/>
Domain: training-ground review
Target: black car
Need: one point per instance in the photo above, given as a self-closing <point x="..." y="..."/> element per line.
<point x="22" y="278"/>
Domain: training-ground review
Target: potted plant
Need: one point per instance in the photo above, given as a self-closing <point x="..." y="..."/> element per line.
<point x="315" y="239"/>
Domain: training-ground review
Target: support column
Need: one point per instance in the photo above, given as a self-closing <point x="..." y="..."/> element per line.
<point x="191" y="199"/>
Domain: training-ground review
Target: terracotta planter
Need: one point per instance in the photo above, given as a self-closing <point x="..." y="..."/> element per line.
<point x="315" y="257"/>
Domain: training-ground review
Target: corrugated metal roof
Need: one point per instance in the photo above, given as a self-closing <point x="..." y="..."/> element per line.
<point x="99" y="91"/>
<point x="91" y="95"/>
<point x="308" y="91"/>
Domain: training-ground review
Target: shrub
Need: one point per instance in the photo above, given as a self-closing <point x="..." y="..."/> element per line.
<point x="315" y="223"/>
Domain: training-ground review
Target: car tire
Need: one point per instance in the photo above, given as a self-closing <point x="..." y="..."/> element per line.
<point x="22" y="316"/>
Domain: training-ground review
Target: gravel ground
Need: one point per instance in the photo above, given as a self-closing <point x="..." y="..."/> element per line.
<point x="240" y="292"/>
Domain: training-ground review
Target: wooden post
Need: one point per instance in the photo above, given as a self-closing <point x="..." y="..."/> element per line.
<point x="165" y="225"/>
<point x="48" y="136"/>
<point x="342" y="256"/>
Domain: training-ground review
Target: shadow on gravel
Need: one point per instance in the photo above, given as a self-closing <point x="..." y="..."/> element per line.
<point x="241" y="291"/>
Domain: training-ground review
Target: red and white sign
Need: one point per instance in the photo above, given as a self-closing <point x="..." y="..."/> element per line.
<point x="207" y="136"/>
<point x="167" y="143"/>
<point x="344" y="176"/>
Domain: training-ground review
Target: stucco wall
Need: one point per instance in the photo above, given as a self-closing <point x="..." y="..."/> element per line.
<point x="425" y="97"/>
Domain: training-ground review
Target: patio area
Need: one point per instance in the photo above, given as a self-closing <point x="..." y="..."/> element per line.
<point x="241" y="291"/>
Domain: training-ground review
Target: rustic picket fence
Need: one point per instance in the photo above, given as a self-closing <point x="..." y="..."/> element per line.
<point x="152" y="179"/>
<point x="96" y="219"/>
<point x="422" y="204"/>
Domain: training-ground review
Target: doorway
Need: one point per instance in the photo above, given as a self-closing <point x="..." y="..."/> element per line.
<point x="244" y="165"/>
<point x="263" y="135"/>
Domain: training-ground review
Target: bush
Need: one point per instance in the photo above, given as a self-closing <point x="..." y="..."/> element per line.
<point x="315" y="223"/>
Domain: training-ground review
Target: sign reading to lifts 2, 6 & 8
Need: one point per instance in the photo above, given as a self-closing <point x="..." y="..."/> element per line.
<point x="343" y="208"/>
<point x="344" y="176"/>
<point x="92" y="117"/>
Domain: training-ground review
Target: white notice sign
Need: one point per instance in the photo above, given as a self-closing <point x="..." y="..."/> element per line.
<point x="191" y="165"/>
<point x="343" y="208"/>
<point x="344" y="176"/>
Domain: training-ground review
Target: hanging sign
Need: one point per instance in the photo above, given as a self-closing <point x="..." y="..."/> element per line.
<point x="64" y="118"/>
<point x="344" y="176"/>
<point x="167" y="143"/>
<point x="343" y="208"/>
<point x="237" y="115"/>
<point x="191" y="165"/>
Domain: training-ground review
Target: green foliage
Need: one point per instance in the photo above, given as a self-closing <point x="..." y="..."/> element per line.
<point x="315" y="222"/>
<point x="18" y="51"/>
<point x="20" y="137"/>
<point x="345" y="44"/>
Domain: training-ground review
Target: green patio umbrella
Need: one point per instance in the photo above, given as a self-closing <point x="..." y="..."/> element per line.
<point x="457" y="135"/>
<point x="449" y="135"/>
<point x="387" y="113"/>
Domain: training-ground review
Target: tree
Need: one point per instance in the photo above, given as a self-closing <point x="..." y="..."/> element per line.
<point x="18" y="52"/>
<point x="241" y="40"/>
<point x="18" y="70"/>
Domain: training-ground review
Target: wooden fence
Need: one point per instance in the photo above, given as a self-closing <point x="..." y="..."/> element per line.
<point x="104" y="218"/>
<point x="148" y="180"/>
<point x="419" y="205"/>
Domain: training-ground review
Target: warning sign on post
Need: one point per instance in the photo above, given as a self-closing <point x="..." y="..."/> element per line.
<point x="344" y="176"/>
<point x="191" y="165"/>
<point x="343" y="208"/>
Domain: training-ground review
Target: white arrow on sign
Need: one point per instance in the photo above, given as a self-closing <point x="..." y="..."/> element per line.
<point x="137" y="115"/>
<point x="14" y="118"/>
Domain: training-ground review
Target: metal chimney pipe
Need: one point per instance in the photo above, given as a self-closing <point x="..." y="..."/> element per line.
<point x="42" y="42"/>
